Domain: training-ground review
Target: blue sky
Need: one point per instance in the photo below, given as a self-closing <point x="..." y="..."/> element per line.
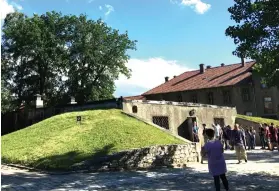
<point x="173" y="35"/>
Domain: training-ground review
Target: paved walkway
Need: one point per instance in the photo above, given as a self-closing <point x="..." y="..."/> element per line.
<point x="260" y="173"/>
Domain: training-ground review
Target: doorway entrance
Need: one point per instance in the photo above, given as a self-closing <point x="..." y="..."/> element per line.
<point x="219" y="121"/>
<point x="185" y="130"/>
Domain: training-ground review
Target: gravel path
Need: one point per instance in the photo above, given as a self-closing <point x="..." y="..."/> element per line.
<point x="260" y="173"/>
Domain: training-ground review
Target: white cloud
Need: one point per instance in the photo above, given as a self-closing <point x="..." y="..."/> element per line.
<point x="109" y="9"/>
<point x="199" y="6"/>
<point x="100" y="7"/>
<point x="17" y="6"/>
<point x="147" y="74"/>
<point x="90" y="1"/>
<point x="6" y="8"/>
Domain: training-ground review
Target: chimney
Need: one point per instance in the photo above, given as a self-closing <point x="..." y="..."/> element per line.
<point x="242" y="62"/>
<point x="174" y="76"/>
<point x="207" y="67"/>
<point x="201" y="68"/>
<point x="73" y="101"/>
<point x="166" y="79"/>
<point x="39" y="101"/>
<point x="222" y="64"/>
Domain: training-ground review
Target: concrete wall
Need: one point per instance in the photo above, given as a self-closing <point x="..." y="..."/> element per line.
<point x="178" y="113"/>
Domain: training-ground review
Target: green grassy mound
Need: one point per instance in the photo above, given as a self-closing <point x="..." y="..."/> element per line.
<point x="59" y="142"/>
<point x="259" y="119"/>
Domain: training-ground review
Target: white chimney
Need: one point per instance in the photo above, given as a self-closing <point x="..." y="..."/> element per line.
<point x="73" y="101"/>
<point x="39" y="101"/>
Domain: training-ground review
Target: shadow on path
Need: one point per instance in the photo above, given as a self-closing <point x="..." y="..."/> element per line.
<point x="164" y="179"/>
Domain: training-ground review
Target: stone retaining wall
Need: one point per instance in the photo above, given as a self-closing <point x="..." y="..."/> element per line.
<point x="149" y="157"/>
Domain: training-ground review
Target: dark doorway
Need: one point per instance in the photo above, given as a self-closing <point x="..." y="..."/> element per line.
<point x="219" y="121"/>
<point x="185" y="130"/>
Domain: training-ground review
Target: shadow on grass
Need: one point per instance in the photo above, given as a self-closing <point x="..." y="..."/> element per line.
<point x="67" y="161"/>
<point x="163" y="179"/>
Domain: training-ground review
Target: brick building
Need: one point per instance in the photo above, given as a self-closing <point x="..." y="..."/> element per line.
<point x="234" y="85"/>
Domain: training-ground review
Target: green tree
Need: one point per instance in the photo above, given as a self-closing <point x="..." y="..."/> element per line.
<point x="37" y="52"/>
<point x="33" y="53"/>
<point x="97" y="58"/>
<point x="7" y="103"/>
<point x="256" y="35"/>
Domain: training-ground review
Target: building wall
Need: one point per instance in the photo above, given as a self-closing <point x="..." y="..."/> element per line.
<point x="255" y="105"/>
<point x="265" y="92"/>
<point x="177" y="113"/>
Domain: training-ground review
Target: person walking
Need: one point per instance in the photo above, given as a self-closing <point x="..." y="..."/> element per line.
<point x="196" y="132"/>
<point x="262" y="138"/>
<point x="216" y="161"/>
<point x="226" y="136"/>
<point x="238" y="141"/>
<point x="248" y="145"/>
<point x="267" y="136"/>
<point x="231" y="137"/>
<point x="217" y="130"/>
<point x="205" y="138"/>
<point x="253" y="137"/>
<point x="273" y="137"/>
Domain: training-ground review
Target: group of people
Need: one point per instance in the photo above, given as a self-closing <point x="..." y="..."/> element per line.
<point x="269" y="136"/>
<point x="217" y="139"/>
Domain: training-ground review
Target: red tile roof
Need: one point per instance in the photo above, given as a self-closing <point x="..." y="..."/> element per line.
<point x="220" y="76"/>
<point x="138" y="97"/>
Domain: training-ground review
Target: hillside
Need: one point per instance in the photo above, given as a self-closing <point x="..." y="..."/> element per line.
<point x="259" y="119"/>
<point x="59" y="142"/>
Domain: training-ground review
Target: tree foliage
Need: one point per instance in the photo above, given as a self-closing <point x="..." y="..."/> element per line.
<point x="256" y="35"/>
<point x="59" y="56"/>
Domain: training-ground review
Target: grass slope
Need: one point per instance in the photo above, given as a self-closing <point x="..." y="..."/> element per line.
<point x="259" y="119"/>
<point x="59" y="142"/>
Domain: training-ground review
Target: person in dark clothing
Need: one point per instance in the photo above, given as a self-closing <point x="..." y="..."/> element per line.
<point x="273" y="137"/>
<point x="226" y="136"/>
<point x="253" y="137"/>
<point x="262" y="138"/>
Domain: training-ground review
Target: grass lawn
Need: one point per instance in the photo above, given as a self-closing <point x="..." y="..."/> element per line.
<point x="259" y="119"/>
<point x="59" y="142"/>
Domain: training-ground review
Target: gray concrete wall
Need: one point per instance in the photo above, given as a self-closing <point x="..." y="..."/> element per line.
<point x="178" y="112"/>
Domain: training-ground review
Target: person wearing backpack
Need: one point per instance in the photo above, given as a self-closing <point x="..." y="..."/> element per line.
<point x="273" y="137"/>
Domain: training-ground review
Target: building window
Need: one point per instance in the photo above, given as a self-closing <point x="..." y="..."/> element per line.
<point x="248" y="113"/>
<point x="161" y="121"/>
<point x="268" y="108"/>
<point x="194" y="98"/>
<point x="245" y="94"/>
<point x="179" y="98"/>
<point x="227" y="97"/>
<point x="210" y="99"/>
<point x="135" y="109"/>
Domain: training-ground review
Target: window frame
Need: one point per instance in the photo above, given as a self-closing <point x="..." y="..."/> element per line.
<point x="210" y="98"/>
<point x="227" y="97"/>
<point x="245" y="94"/>
<point x="268" y="110"/>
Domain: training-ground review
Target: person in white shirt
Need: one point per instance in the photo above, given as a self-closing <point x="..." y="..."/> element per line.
<point x="217" y="129"/>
